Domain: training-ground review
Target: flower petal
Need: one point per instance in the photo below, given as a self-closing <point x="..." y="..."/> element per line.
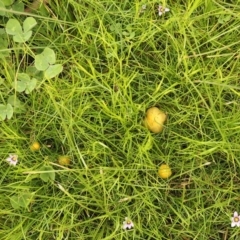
<point x="233" y="224"/>
<point x="9" y="159"/>
<point x="124" y="226"/>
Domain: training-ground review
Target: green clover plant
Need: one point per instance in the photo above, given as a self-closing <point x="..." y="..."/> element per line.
<point x="47" y="173"/>
<point x="21" y="200"/>
<point x="2" y="6"/>
<point x="116" y="28"/>
<point x="17" y="105"/>
<point x="10" y="5"/>
<point x="21" y="35"/>
<point x="6" y="111"/>
<point x="24" y="83"/>
<point x="46" y="62"/>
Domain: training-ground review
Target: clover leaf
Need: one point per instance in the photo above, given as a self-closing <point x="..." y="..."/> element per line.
<point x="53" y="70"/>
<point x="47" y="173"/>
<point x="18" y="6"/>
<point x="116" y="27"/>
<point x="45" y="62"/>
<point x="16" y="103"/>
<point x="2" y="6"/>
<point x="6" y="111"/>
<point x="28" y="24"/>
<point x="7" y="2"/>
<point x="24" y="83"/>
<point x="13" y="27"/>
<point x="22" y="200"/>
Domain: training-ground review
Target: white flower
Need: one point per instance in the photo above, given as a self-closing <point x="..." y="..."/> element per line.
<point x="162" y="10"/>
<point x="12" y="159"/>
<point x="235" y="220"/>
<point x="127" y="224"/>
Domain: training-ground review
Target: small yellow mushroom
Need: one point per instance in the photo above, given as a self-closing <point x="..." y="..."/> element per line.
<point x="164" y="171"/>
<point x="64" y="160"/>
<point x="155" y="119"/>
<point x="35" y="146"/>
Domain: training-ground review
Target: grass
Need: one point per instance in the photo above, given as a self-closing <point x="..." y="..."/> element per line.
<point x="117" y="64"/>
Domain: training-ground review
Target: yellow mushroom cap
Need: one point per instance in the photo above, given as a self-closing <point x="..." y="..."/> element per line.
<point x="155" y="119"/>
<point x="64" y="160"/>
<point x="35" y="146"/>
<point x="164" y="171"/>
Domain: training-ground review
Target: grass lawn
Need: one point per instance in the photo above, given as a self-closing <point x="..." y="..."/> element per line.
<point x="120" y="58"/>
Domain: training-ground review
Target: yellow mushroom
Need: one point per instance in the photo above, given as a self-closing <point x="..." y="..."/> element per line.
<point x="164" y="171"/>
<point x="155" y="119"/>
<point x="35" y="146"/>
<point x="64" y="160"/>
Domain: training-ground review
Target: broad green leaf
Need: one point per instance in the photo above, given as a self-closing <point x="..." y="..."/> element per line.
<point x="23" y="76"/>
<point x="49" y="175"/>
<point x="21" y="85"/>
<point x="21" y="200"/>
<point x="13" y="27"/>
<point x="2" y="112"/>
<point x="50" y="56"/>
<point x="7" y="2"/>
<point x="6" y="111"/>
<point x="14" y="101"/>
<point x="40" y="62"/>
<point x="31" y="85"/>
<point x="19" y="7"/>
<point x="9" y="111"/>
<point x="19" y="38"/>
<point x="116" y="27"/>
<point x="14" y="202"/>
<point x="32" y="71"/>
<point x="43" y="60"/>
<point x="53" y="70"/>
<point x="27" y="35"/>
<point x="132" y="34"/>
<point x="28" y="24"/>
<point x="16" y="104"/>
<point x="25" y="199"/>
<point x="2" y="6"/>
<point x="24" y="83"/>
<point x="23" y="37"/>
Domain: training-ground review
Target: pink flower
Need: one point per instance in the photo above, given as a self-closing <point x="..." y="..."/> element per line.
<point x="162" y="10"/>
<point x="127" y="224"/>
<point x="12" y="159"/>
<point x="235" y="220"/>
